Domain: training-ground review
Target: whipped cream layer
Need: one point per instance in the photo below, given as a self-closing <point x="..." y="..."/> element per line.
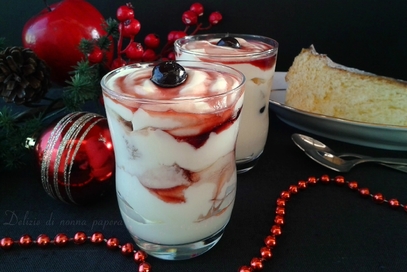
<point x="209" y="47"/>
<point x="201" y="83"/>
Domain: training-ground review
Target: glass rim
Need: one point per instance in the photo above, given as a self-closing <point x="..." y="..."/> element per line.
<point x="272" y="51"/>
<point x="197" y="64"/>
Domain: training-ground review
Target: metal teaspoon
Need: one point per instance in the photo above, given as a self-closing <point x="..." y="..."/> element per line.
<point x="305" y="143"/>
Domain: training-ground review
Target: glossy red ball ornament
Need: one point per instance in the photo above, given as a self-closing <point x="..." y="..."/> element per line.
<point x="76" y="159"/>
<point x="54" y="35"/>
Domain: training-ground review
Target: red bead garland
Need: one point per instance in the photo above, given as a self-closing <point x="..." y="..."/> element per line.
<point x="270" y="241"/>
<point x="61" y="240"/>
<point x="256" y="263"/>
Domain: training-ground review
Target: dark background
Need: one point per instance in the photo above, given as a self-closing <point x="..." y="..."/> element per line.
<point x="365" y="34"/>
<point x="328" y="228"/>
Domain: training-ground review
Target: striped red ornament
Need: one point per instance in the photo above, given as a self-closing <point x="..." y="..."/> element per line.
<point x="76" y="158"/>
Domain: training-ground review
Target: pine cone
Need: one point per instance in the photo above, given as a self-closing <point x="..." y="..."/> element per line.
<point x="24" y="78"/>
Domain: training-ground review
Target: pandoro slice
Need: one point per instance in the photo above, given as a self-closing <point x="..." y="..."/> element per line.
<point x="316" y="84"/>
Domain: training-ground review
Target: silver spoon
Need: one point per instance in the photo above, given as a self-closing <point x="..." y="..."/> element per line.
<point x="322" y="154"/>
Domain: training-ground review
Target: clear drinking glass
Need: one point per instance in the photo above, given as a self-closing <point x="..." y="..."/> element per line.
<point x="256" y="59"/>
<point x="175" y="155"/>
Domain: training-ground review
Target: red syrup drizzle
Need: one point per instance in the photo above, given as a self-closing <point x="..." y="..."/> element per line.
<point x="262" y="63"/>
<point x="199" y="140"/>
<point x="175" y="195"/>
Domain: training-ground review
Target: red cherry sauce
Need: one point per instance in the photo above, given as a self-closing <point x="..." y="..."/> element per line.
<point x="264" y="63"/>
<point x="172" y="195"/>
<point x="199" y="140"/>
<point x="203" y="124"/>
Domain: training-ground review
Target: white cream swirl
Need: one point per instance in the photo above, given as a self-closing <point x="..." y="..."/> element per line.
<point x="209" y="47"/>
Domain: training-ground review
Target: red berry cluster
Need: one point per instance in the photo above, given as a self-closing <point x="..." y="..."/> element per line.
<point x="134" y="52"/>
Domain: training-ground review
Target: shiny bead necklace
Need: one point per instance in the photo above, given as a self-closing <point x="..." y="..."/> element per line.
<point x="256" y="263"/>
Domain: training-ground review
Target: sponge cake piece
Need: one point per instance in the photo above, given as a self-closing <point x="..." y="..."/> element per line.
<point x="316" y="84"/>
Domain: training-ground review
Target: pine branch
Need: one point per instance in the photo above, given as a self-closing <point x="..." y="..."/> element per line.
<point x="13" y="135"/>
<point x="6" y="118"/>
<point x="104" y="43"/>
<point x="83" y="67"/>
<point x="86" y="46"/>
<point x="111" y="26"/>
<point x="83" y="86"/>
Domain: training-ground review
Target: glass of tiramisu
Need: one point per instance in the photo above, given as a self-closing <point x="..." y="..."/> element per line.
<point x="174" y="127"/>
<point x="255" y="56"/>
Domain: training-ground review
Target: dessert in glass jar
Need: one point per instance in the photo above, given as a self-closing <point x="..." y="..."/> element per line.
<point x="255" y="56"/>
<point x="174" y="128"/>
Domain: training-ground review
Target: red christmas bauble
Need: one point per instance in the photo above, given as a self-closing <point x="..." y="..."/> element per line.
<point x="76" y="158"/>
<point x="55" y="33"/>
